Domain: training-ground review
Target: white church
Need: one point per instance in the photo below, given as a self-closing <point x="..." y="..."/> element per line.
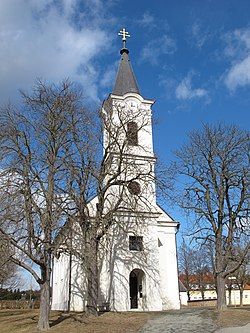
<point x="138" y="266"/>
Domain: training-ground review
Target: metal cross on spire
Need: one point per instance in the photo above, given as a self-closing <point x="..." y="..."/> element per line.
<point x="124" y="35"/>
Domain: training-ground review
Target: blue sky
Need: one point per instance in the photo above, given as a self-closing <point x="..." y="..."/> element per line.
<point x="192" y="57"/>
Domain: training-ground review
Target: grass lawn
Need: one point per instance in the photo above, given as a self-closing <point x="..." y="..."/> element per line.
<point x="15" y="321"/>
<point x="25" y="321"/>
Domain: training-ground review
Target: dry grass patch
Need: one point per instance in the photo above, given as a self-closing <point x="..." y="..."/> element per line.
<point x="13" y="321"/>
<point x="25" y="321"/>
<point x="234" y="317"/>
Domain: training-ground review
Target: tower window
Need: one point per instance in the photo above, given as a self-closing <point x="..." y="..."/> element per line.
<point x="134" y="188"/>
<point x="132" y="133"/>
<point x="135" y="243"/>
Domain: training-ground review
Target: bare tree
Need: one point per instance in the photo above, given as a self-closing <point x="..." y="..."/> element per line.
<point x="195" y="268"/>
<point x="214" y="189"/>
<point x="186" y="266"/>
<point x="34" y="142"/>
<point x="8" y="270"/>
<point x="51" y="165"/>
<point x="202" y="270"/>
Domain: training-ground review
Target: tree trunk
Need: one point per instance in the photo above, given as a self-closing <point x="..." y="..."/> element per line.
<point x="221" y="293"/>
<point x="92" y="271"/>
<point x="202" y="293"/>
<point x="229" y="296"/>
<point x="241" y="297"/>
<point x="43" y="322"/>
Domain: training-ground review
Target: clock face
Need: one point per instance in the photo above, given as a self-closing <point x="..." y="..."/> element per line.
<point x="134" y="188"/>
<point x="133" y="106"/>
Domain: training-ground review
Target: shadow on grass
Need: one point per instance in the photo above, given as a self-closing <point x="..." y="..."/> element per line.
<point x="81" y="317"/>
<point x="10" y="313"/>
<point x="62" y="317"/>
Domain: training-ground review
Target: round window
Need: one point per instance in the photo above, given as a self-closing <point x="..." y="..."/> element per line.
<point x="134" y="188"/>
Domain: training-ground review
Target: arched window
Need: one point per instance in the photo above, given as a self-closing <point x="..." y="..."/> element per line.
<point x="132" y="133"/>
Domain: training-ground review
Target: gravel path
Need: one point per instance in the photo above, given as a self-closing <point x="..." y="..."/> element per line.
<point x="182" y="321"/>
<point x="241" y="329"/>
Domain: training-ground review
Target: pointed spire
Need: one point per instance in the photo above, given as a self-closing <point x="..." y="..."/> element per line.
<point x="125" y="78"/>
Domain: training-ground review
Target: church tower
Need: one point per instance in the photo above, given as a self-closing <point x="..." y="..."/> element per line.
<point x="143" y="274"/>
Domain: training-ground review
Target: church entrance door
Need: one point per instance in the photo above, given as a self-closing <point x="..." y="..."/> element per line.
<point x="136" y="281"/>
<point x="133" y="286"/>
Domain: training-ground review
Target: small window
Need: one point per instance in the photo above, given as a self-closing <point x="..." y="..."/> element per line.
<point x="132" y="133"/>
<point x="136" y="243"/>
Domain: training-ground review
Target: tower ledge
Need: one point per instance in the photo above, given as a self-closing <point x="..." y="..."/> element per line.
<point x="131" y="94"/>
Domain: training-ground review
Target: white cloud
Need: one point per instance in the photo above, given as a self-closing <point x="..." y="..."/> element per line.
<point x="41" y="39"/>
<point x="108" y="77"/>
<point x="239" y="74"/>
<point x="185" y="91"/>
<point x="199" y="35"/>
<point x="157" y="47"/>
<point x="238" y="50"/>
<point x="147" y="20"/>
<point x="169" y="85"/>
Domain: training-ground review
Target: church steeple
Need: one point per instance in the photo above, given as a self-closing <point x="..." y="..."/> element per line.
<point x="125" y="79"/>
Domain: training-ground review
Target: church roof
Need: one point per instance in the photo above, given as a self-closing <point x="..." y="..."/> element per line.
<point x="125" y="78"/>
<point x="182" y="288"/>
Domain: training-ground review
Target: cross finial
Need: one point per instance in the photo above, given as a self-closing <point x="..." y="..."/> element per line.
<point x="124" y="35"/>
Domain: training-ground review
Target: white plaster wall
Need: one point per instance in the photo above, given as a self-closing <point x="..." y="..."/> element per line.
<point x="151" y="300"/>
<point x="124" y="261"/>
<point x="143" y="171"/>
<point x="208" y="294"/>
<point x="106" y="269"/>
<point x="168" y="267"/>
<point x="211" y="294"/>
<point x="235" y="297"/>
<point x="152" y="267"/>
<point x="78" y="286"/>
<point x="184" y="298"/>
<point x="60" y="282"/>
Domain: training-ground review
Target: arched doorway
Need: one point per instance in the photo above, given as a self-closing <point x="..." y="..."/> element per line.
<point x="137" y="289"/>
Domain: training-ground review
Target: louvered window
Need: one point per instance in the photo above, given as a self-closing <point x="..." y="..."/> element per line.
<point x="132" y="133"/>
